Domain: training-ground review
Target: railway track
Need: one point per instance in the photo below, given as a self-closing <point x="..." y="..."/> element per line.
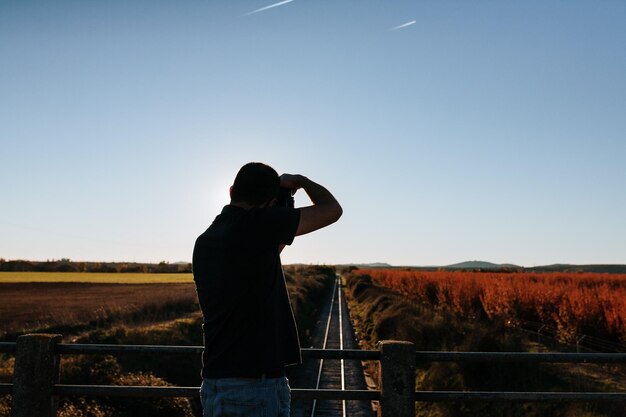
<point x="334" y="331"/>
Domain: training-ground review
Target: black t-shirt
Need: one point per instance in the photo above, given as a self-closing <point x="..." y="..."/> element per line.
<point x="249" y="328"/>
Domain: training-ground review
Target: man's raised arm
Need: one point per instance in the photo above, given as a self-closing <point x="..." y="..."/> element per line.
<point x="325" y="209"/>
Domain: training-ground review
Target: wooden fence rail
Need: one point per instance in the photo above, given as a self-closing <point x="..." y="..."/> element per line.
<point x="36" y="388"/>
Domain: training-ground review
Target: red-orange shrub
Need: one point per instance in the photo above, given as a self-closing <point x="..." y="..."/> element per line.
<point x="574" y="303"/>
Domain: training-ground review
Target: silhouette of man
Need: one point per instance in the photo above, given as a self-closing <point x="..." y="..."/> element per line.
<point x="250" y="333"/>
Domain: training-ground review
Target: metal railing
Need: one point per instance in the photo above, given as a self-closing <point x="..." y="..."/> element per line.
<point x="36" y="388"/>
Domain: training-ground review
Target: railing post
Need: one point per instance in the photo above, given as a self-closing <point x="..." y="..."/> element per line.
<point x="36" y="372"/>
<point x="397" y="379"/>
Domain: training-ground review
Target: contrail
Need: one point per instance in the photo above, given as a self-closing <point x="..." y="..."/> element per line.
<point x="412" y="22"/>
<point x="271" y="6"/>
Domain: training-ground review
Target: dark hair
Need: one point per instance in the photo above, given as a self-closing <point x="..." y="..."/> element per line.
<point x="256" y="184"/>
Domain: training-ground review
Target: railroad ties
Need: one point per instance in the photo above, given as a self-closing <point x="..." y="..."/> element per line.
<point x="334" y="331"/>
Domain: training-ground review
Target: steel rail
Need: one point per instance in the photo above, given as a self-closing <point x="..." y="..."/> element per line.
<point x="340" y="309"/>
<point x="319" y="372"/>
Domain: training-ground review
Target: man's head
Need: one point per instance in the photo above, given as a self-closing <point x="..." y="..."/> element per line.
<point x="256" y="184"/>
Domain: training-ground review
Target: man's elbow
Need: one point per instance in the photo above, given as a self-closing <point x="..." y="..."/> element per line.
<point x="337" y="212"/>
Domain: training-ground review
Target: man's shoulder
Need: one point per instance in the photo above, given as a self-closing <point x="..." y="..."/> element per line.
<point x="257" y="225"/>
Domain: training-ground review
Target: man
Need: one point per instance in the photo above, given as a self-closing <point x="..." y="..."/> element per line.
<point x="250" y="333"/>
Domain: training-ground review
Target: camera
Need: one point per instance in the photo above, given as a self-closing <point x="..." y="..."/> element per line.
<point x="285" y="197"/>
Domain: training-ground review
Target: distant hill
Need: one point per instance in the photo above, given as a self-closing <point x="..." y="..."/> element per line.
<point x="489" y="266"/>
<point x="601" y="269"/>
<point x="482" y="265"/>
<point x="375" y="265"/>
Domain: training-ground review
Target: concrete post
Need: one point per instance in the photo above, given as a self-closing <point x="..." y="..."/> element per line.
<point x="397" y="379"/>
<point x="36" y="372"/>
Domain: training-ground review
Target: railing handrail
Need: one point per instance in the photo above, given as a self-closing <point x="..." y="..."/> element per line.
<point x="36" y="378"/>
<point x="421" y="356"/>
<point x="153" y="391"/>
<point x="8" y="347"/>
<point x="450" y="356"/>
<point x="329" y="394"/>
<point x="524" y="396"/>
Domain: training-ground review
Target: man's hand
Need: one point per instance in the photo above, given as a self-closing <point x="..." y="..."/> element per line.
<point x="325" y="209"/>
<point x="291" y="181"/>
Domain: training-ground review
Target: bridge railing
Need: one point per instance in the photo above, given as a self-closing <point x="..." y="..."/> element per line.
<point x="36" y="386"/>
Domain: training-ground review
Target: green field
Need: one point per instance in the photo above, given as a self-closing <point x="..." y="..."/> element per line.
<point x="94" y="277"/>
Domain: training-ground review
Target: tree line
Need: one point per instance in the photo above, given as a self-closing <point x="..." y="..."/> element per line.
<point x="66" y="265"/>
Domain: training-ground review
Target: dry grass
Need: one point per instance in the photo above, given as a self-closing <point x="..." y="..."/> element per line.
<point x="35" y="306"/>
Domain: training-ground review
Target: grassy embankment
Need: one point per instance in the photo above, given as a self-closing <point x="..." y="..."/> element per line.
<point x="381" y="313"/>
<point x="154" y="313"/>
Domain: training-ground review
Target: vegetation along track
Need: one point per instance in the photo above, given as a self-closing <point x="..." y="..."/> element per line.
<point x="333" y="331"/>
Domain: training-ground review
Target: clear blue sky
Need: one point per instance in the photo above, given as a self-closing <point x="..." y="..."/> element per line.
<point x="485" y="130"/>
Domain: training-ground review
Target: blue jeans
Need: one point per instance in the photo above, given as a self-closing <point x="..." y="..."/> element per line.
<point x="267" y="397"/>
